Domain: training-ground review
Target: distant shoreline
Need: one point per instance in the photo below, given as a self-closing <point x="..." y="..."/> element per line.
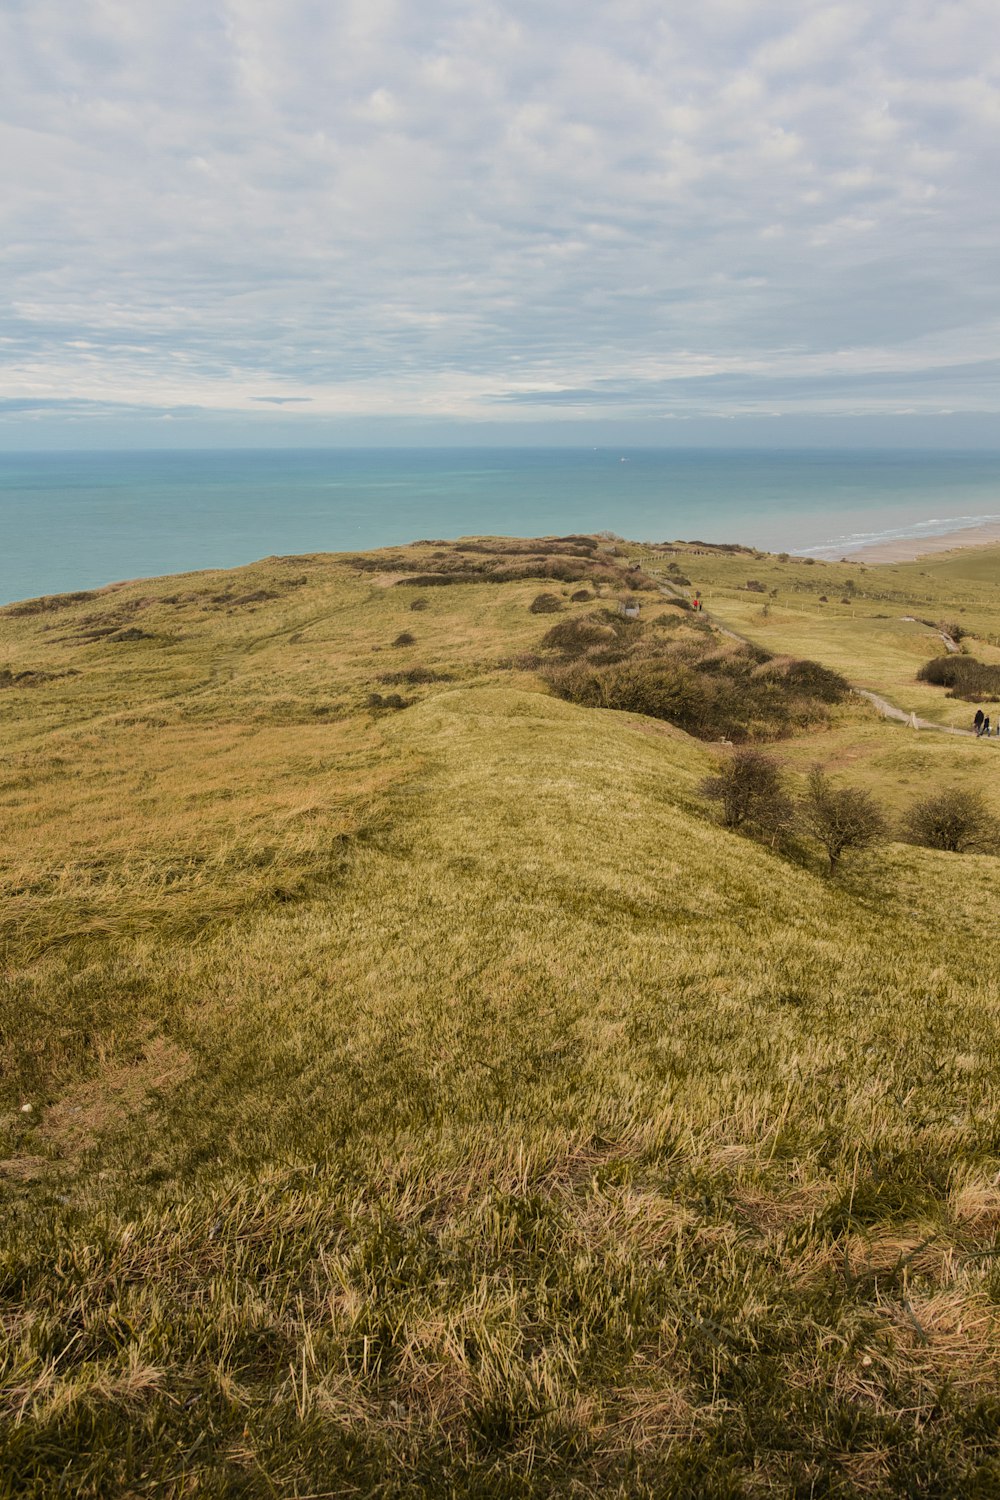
<point x="910" y="548"/>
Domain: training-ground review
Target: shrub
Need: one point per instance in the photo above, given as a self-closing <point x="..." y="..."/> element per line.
<point x="965" y="676"/>
<point x="575" y="637"/>
<point x="404" y="638"/>
<point x="545" y="604"/>
<point x="661" y="689"/>
<point x="750" y="789"/>
<point x="391" y="700"/>
<point x="581" y="596"/>
<point x="754" y="586"/>
<point x="418" y="604"/>
<point x="816" y="681"/>
<point x="841" y="819"/>
<point x="954" y="820"/>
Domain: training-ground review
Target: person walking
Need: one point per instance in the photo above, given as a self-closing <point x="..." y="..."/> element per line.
<point x="986" y="726"/>
<point x="977" y="722"/>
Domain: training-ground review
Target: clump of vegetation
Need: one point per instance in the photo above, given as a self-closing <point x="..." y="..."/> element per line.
<point x="743" y="693"/>
<point x="955" y="820"/>
<point x="418" y="604"/>
<point x="415" y="675"/>
<point x="545" y="604"/>
<point x="751" y="792"/>
<point x="405" y="638"/>
<point x="813" y="680"/>
<point x="660" y="688"/>
<point x="754" y="586"/>
<point x="48" y="603"/>
<point x="842" y="820"/>
<point x="581" y="634"/>
<point x="389" y="700"/>
<point x="966" y="677"/>
<point x="580" y="596"/>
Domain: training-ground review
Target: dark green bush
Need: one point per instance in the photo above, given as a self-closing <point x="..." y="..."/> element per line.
<point x="966" y="677"/>
<point x="815" y="681"/>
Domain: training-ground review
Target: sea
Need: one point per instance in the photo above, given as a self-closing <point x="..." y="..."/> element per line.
<point x="79" y="520"/>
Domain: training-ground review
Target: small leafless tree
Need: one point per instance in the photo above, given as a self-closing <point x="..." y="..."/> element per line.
<point x="841" y="819"/>
<point x="750" y="790"/>
<point x="955" y="820"/>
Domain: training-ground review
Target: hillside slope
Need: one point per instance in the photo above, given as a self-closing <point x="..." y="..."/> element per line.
<point x="438" y="1101"/>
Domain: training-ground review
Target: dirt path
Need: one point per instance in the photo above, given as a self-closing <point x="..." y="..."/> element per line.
<point x="885" y="708"/>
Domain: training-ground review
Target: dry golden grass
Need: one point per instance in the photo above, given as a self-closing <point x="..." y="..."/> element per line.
<point x="441" y="1102"/>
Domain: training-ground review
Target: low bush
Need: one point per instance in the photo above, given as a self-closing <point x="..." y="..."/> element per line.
<point x="405" y="638"/>
<point x="390" y="700"/>
<point x="957" y="821"/>
<point x="815" y="681"/>
<point x="659" y="688"/>
<point x="577" y="636"/>
<point x="966" y="677"/>
<point x="545" y="604"/>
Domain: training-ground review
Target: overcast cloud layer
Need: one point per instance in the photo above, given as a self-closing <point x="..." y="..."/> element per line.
<point x="534" y="211"/>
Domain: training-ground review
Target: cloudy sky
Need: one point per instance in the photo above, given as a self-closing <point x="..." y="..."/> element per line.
<point x="337" y="220"/>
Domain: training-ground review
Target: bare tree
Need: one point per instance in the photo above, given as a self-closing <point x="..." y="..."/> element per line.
<point x="841" y="819"/>
<point x="955" y="820"/>
<point x="751" y="792"/>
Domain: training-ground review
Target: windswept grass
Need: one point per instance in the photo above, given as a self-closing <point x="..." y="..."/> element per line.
<point x="442" y="1103"/>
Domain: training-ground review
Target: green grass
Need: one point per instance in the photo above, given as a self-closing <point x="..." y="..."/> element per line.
<point x="871" y="627"/>
<point x="440" y="1102"/>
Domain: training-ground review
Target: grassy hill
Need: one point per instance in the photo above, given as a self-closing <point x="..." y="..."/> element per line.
<point x="436" y="1099"/>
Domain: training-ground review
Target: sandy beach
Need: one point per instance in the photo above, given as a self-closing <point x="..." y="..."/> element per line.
<point x="908" y="549"/>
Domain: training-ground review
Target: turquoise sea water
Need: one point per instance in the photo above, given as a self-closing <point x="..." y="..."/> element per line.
<point x="79" y="520"/>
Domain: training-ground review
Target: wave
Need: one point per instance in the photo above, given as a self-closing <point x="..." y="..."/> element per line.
<point x="853" y="541"/>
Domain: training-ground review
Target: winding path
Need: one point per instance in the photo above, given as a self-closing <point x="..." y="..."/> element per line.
<point x="885" y="708"/>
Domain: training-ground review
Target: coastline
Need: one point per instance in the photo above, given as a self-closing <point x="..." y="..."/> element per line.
<point x="911" y="548"/>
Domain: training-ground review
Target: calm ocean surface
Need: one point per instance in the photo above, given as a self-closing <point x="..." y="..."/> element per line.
<point x="78" y="520"/>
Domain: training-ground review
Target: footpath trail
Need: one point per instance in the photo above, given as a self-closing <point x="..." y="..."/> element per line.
<point x="885" y="708"/>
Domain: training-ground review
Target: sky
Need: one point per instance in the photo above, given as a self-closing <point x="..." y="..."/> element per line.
<point x="342" y="221"/>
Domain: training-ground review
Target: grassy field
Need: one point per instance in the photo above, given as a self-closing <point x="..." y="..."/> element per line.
<point x="438" y="1101"/>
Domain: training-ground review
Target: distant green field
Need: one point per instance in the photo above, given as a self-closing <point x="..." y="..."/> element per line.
<point x="437" y="1100"/>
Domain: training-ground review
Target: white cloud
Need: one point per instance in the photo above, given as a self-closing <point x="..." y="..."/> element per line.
<point x="376" y="207"/>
